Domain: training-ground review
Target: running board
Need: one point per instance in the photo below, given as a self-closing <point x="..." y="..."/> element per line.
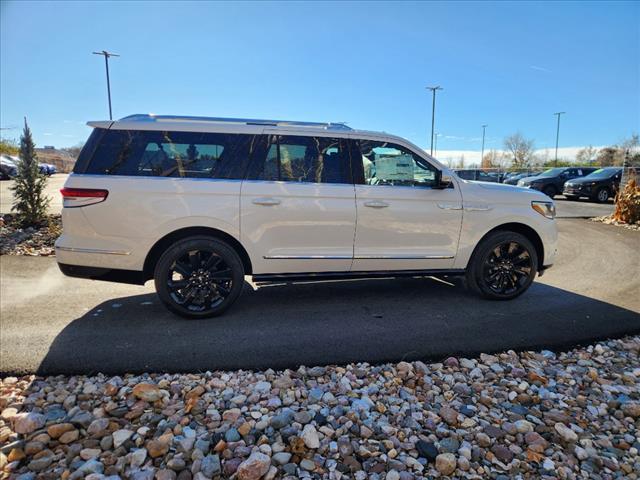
<point x="293" y="277"/>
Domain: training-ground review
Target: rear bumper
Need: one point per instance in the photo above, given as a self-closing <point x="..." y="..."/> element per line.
<point x="106" y="274"/>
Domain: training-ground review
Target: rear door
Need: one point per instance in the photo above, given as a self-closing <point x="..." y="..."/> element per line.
<point x="297" y="204"/>
<point x="403" y="222"/>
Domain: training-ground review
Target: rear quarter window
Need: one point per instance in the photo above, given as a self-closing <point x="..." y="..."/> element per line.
<point x="167" y="154"/>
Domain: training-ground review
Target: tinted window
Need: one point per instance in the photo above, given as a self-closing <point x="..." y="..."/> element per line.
<point x="303" y="159"/>
<point x="84" y="157"/>
<point x="170" y="154"/>
<point x="389" y="164"/>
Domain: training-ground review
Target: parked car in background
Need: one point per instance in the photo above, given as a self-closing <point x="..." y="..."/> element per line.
<point x="8" y="168"/>
<point x="477" y="175"/>
<point x="599" y="186"/>
<point x="198" y="203"/>
<point x="551" y="182"/>
<point x="512" y="179"/>
<point x="47" y="168"/>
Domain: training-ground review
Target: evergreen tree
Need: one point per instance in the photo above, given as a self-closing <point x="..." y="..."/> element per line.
<point x="28" y="189"/>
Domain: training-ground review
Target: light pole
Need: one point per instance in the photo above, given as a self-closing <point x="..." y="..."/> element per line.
<point x="557" y="136"/>
<point x="484" y="128"/>
<point x="435" y="148"/>
<point x="433" y="112"/>
<point x="106" y="64"/>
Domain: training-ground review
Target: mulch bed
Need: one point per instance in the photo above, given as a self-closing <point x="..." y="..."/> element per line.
<point x="32" y="241"/>
<point x="609" y="220"/>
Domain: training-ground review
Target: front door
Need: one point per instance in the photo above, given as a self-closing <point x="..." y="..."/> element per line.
<point x="403" y="222"/>
<point x="297" y="207"/>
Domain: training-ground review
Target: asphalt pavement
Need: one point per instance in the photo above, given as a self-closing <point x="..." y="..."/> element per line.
<point x="54" y="324"/>
<point x="52" y="191"/>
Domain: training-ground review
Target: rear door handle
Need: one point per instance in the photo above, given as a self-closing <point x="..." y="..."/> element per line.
<point x="266" y="201"/>
<point x="376" y="204"/>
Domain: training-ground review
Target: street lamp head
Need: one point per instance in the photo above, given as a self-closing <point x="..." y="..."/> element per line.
<point x="559" y="113"/>
<point x="106" y="54"/>
<point x="433" y="89"/>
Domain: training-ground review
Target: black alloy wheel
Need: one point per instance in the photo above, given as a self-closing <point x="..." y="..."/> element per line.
<point x="199" y="277"/>
<point x="602" y="195"/>
<point x="503" y="266"/>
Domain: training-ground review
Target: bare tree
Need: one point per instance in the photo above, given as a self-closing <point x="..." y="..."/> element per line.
<point x="487" y="160"/>
<point x="520" y="149"/>
<point x="586" y="155"/>
<point x="494" y="159"/>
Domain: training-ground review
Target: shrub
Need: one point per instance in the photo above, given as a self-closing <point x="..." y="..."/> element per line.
<point x="9" y="147"/>
<point x="628" y="203"/>
<point x="30" y="202"/>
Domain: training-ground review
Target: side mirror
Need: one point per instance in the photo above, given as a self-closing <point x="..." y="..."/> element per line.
<point x="443" y="180"/>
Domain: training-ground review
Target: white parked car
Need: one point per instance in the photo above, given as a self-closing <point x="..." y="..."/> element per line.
<point x="198" y="203"/>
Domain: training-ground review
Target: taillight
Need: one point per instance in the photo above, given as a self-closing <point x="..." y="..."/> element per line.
<point x="80" y="197"/>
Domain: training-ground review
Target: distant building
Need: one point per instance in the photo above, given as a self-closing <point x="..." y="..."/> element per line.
<point x="49" y="147"/>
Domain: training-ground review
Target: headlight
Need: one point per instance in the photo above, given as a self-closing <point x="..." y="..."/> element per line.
<point x="546" y="209"/>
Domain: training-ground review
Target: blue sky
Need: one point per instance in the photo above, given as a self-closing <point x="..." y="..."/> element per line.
<point x="508" y="65"/>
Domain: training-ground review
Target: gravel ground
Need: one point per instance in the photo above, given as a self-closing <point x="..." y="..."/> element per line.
<point x="608" y="219"/>
<point x="527" y="415"/>
<point x="32" y="241"/>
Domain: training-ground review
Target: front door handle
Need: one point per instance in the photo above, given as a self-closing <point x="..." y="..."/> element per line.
<point x="376" y="204"/>
<point x="266" y="201"/>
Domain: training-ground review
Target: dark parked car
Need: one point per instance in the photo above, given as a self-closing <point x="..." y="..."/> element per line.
<point x="477" y="174"/>
<point x="551" y="182"/>
<point x="599" y="186"/>
<point x="8" y="167"/>
<point x="513" y="178"/>
<point x="48" y="169"/>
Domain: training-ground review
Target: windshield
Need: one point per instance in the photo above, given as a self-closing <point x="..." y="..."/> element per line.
<point x="603" y="173"/>
<point x="552" y="172"/>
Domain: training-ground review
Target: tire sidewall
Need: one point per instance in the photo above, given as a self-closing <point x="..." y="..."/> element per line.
<point x="222" y="249"/>
<point x="474" y="275"/>
<point x="599" y="192"/>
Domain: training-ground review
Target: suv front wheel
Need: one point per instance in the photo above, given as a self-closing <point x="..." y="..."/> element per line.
<point x="199" y="277"/>
<point x="602" y="195"/>
<point x="503" y="266"/>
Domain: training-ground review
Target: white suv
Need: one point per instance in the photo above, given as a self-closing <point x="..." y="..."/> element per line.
<point x="198" y="203"/>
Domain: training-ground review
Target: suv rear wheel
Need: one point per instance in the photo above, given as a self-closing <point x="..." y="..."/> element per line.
<point x="503" y="266"/>
<point x="199" y="277"/>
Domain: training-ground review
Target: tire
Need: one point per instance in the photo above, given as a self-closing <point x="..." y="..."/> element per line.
<point x="496" y="262"/>
<point x="602" y="195"/>
<point x="199" y="277"/>
<point x="550" y="191"/>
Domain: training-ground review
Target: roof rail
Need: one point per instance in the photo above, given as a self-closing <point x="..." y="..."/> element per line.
<point x="144" y="117"/>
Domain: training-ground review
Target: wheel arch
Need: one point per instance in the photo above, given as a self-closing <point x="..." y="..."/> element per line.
<point x="522" y="229"/>
<point x="161" y="245"/>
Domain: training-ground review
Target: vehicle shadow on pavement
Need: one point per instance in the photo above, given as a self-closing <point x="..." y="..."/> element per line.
<point x="282" y="326"/>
